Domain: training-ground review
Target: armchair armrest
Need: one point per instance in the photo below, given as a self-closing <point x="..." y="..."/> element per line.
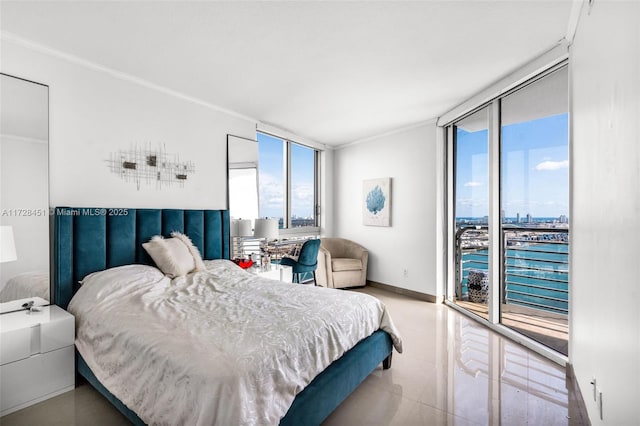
<point x="365" y="260"/>
<point x="324" y="274"/>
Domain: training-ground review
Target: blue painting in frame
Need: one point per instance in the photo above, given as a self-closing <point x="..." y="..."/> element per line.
<point x="376" y="202"/>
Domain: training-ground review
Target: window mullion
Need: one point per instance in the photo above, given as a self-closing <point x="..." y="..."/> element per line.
<point x="316" y="192"/>
<point x="451" y="277"/>
<point x="495" y="239"/>
<point x="287" y="170"/>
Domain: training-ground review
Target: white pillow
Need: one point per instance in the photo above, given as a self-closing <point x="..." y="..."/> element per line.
<point x="171" y="255"/>
<point x="192" y="249"/>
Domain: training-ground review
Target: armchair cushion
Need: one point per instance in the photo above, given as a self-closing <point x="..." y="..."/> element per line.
<point x="343" y="264"/>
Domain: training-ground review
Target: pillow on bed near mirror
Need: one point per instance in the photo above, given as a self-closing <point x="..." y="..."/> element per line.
<point x="174" y="256"/>
<point x="197" y="258"/>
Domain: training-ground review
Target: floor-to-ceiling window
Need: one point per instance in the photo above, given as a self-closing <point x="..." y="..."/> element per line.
<point x="511" y="209"/>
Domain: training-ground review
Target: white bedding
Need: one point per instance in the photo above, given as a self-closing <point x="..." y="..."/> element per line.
<point x="216" y="347"/>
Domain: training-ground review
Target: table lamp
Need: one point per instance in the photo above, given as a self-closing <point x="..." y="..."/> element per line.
<point x="266" y="229"/>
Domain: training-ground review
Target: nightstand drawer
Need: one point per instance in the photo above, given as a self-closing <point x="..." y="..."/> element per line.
<point x="23" y="333"/>
<point x="57" y="334"/>
<point x="36" y="378"/>
<point x="37" y="356"/>
<point x="16" y="344"/>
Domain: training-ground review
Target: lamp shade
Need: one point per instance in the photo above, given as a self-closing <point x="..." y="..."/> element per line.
<point x="244" y="228"/>
<point x="7" y="245"/>
<point x="267" y="229"/>
<point x="233" y="229"/>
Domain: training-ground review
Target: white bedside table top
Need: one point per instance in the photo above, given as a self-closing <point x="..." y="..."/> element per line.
<point x="16" y="305"/>
<point x="22" y="319"/>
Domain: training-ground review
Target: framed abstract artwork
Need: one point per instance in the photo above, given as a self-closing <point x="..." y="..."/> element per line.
<point x="376" y="202"/>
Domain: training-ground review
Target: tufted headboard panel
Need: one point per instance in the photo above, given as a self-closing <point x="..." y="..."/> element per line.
<point x="87" y="240"/>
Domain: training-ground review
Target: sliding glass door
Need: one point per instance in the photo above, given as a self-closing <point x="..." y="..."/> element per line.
<point x="511" y="210"/>
<point x="471" y="147"/>
<point x="534" y="170"/>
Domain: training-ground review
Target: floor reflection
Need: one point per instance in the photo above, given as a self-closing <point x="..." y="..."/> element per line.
<point x="519" y="386"/>
<point x="455" y="371"/>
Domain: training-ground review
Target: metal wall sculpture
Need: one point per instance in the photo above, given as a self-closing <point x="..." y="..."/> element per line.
<point x="151" y="166"/>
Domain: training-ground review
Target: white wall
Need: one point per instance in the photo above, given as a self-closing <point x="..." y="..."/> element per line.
<point x="326" y="192"/>
<point x="605" y="216"/>
<point x="94" y="113"/>
<point x="409" y="158"/>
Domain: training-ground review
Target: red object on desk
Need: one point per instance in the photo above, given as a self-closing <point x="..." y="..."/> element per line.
<point x="243" y="263"/>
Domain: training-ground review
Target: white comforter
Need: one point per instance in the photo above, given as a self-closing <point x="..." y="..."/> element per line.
<point x="217" y="347"/>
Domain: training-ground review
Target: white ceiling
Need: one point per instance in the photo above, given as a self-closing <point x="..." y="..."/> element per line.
<point x="332" y="72"/>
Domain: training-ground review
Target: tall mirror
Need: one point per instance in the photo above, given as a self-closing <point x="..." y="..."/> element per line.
<point x="24" y="193"/>
<point x="242" y="166"/>
<point x="242" y="170"/>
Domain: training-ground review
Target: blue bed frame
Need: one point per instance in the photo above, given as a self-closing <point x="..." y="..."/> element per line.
<point x="87" y="240"/>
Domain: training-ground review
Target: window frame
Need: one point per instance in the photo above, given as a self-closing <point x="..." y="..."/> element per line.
<point x="287" y="229"/>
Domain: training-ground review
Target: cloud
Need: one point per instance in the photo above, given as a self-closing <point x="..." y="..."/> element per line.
<point x="271" y="192"/>
<point x="272" y="197"/>
<point x="471" y="202"/>
<point x="473" y="183"/>
<point x="552" y="165"/>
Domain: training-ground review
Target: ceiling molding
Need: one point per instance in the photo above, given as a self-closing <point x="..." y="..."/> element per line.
<point x="40" y="48"/>
<point x="389" y="133"/>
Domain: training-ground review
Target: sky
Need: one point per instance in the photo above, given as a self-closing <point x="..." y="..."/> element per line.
<point x="534" y="169"/>
<point x="271" y="178"/>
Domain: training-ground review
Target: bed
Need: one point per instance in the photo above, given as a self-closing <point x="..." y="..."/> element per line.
<point x="90" y="240"/>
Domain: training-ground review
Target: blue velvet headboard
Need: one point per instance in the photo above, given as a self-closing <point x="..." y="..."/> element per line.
<point x="87" y="240"/>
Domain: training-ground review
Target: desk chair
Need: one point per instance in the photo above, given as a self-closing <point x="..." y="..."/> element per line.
<point x="306" y="261"/>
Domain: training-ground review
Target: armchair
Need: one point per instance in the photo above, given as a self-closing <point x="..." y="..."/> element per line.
<point x="341" y="263"/>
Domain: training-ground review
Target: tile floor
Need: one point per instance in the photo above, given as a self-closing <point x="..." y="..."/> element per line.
<point x="453" y="372"/>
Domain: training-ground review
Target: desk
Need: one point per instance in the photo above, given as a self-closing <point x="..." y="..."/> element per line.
<point x="275" y="272"/>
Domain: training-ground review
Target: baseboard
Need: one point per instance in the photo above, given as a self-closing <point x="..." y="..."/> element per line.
<point x="405" y="292"/>
<point x="578" y="414"/>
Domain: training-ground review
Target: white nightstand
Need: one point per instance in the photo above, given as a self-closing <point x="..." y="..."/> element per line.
<point x="275" y="272"/>
<point x="37" y="356"/>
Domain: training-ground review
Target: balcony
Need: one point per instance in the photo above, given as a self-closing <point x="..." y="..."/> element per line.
<point x="534" y="279"/>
